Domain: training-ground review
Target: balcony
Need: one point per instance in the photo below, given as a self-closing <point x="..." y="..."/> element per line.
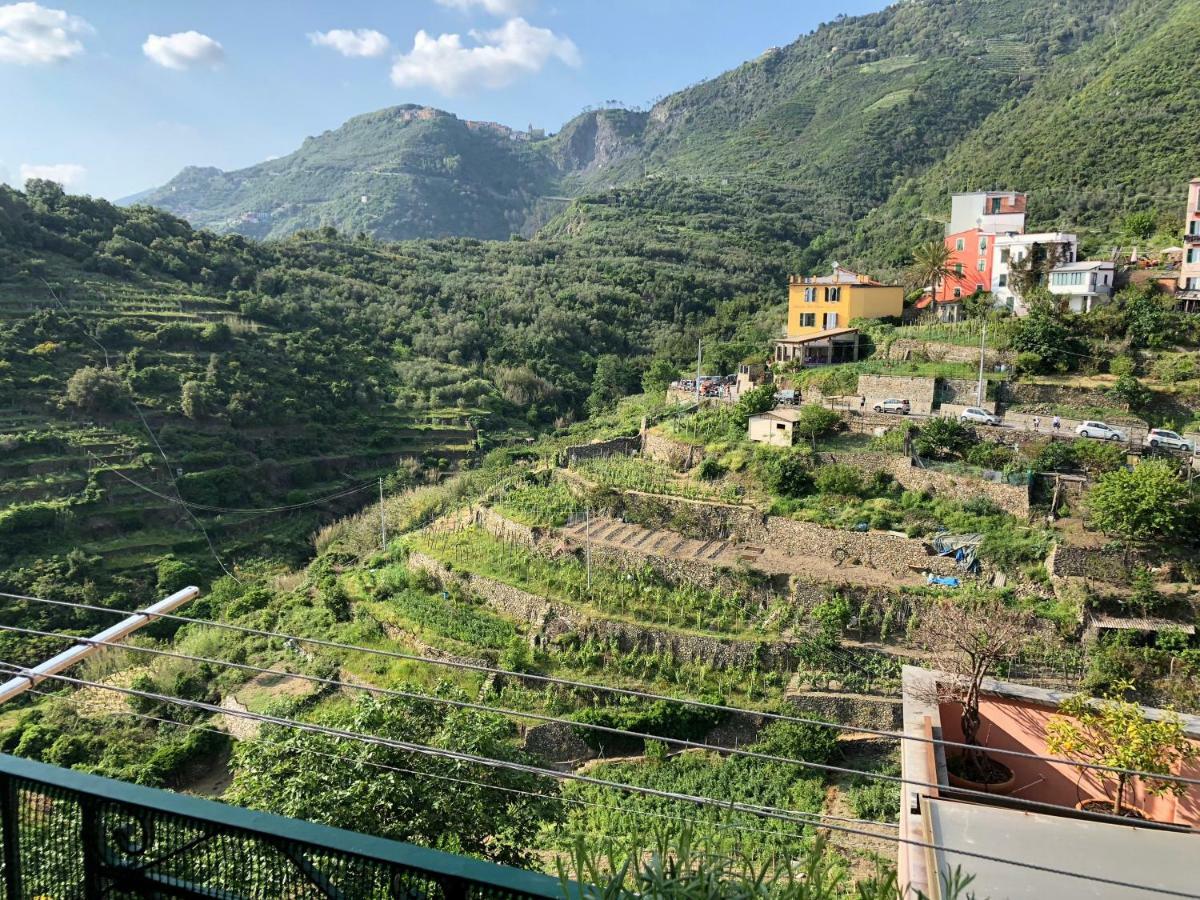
<point x="1191" y="238"/>
<point x="67" y="834"/>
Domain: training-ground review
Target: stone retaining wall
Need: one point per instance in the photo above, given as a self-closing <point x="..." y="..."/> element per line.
<point x="551" y="620"/>
<point x="621" y="446"/>
<point x="1109" y="566"/>
<point x="679" y="455"/>
<point x="861" y="710"/>
<point x="935" y="351"/>
<point x="918" y="390"/>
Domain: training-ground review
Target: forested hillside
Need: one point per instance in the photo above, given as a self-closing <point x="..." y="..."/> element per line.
<point x="834" y="121"/>
<point x="1101" y="139"/>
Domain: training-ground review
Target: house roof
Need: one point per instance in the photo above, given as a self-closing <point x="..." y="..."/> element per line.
<point x="1141" y="624"/>
<point x="784" y="413"/>
<point x="818" y="336"/>
<point x="841" y="275"/>
<point x="1041" y="237"/>
<point x="1084" y="265"/>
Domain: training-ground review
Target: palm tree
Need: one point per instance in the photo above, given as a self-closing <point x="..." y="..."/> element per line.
<point x="930" y="265"/>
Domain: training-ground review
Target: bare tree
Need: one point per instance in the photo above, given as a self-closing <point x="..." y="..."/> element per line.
<point x="968" y="636"/>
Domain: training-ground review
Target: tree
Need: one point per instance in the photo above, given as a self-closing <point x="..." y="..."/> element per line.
<point x="756" y="400"/>
<point x="1141" y="224"/>
<point x="282" y="771"/>
<point x="1045" y="334"/>
<point x="1149" y="321"/>
<point x="930" y="266"/>
<point x="1117" y="733"/>
<point x="193" y="399"/>
<point x="659" y="375"/>
<point x="942" y="438"/>
<point x="816" y="421"/>
<point x="1130" y="391"/>
<point x="1147" y="503"/>
<point x="96" y="389"/>
<point x="615" y="378"/>
<point x="967" y="637"/>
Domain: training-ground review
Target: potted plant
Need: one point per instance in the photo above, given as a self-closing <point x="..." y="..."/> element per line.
<point x="968" y="637"/>
<point x="1115" y="732"/>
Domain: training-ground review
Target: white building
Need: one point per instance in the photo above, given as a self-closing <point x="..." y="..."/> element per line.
<point x="1018" y="250"/>
<point x="990" y="212"/>
<point x="1085" y="284"/>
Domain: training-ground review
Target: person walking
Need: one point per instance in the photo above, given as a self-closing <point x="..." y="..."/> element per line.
<point x="1037" y="423"/>
<point x="1057" y="424"/>
<point x="862" y="405"/>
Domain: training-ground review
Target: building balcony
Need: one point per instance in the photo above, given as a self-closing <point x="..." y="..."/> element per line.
<point x="68" y="834"/>
<point x="1191" y="238"/>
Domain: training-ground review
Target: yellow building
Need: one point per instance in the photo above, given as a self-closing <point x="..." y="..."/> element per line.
<point x="820" y="310"/>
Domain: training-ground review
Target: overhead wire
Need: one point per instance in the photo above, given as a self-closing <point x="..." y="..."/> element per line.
<point x="582" y="685"/>
<point x="699" y="800"/>
<point x="374" y="764"/>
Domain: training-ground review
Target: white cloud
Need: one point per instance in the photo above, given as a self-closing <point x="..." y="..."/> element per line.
<point x="352" y="42"/>
<point x="66" y="174"/>
<point x="183" y="50"/>
<point x="499" y="58"/>
<point x="31" y="34"/>
<point x="494" y="7"/>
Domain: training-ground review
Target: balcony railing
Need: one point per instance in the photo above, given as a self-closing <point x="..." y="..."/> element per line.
<point x="69" y="835"/>
<point x="1191" y="238"/>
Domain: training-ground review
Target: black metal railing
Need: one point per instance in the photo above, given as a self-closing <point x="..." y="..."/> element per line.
<point x="69" y="835"/>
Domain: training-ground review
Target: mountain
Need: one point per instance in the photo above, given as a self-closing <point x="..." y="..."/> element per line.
<point x="840" y="116"/>
<point x="399" y="173"/>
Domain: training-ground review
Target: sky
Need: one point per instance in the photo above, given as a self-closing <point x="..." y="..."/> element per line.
<point x="112" y="97"/>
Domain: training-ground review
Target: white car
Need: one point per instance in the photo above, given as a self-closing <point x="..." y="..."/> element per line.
<point x="1160" y="437"/>
<point x="1100" y="430"/>
<point x="978" y="416"/>
<point x="893" y="405"/>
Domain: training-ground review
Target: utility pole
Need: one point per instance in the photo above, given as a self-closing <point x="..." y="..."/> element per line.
<point x="982" y="345"/>
<point x="699" y="354"/>
<point x="96" y="644"/>
<point x="382" y="518"/>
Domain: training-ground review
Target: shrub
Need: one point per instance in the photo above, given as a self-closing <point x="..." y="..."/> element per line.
<point x="799" y="740"/>
<point x="816" y="421"/>
<point x="840" y="479"/>
<point x="943" y="438"/>
<point x="710" y="469"/>
<point x="96" y="389"/>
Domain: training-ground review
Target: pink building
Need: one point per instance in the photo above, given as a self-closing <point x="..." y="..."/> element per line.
<point x="1189" y="272"/>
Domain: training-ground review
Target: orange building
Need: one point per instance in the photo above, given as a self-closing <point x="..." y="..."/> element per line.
<point x="975" y="221"/>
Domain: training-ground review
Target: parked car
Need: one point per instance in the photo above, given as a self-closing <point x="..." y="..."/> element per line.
<point x="894" y="405"/>
<point x="787" y="398"/>
<point x="1160" y="437"/>
<point x="978" y="416"/>
<point x="1101" y="430"/>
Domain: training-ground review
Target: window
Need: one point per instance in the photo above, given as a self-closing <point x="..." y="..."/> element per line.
<point x="982" y="243"/>
<point x="960" y="245"/>
<point x="958" y="269"/>
<point x="810" y="295"/>
<point x="808" y="320"/>
<point x="833" y="294"/>
<point x="995" y="206"/>
<point x="1193" y="255"/>
<point x="780" y="426"/>
<point x="830" y="320"/>
<point x="1194" y="227"/>
<point x="957" y="293"/>
<point x="981" y="265"/>
<point x="1005" y="255"/>
<point x="1002" y="281"/>
<point x="979" y="288"/>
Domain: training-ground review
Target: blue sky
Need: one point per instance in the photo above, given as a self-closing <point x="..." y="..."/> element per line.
<point x="115" y="97"/>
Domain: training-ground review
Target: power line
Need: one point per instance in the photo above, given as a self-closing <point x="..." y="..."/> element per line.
<point x="438" y="776"/>
<point x="446" y="701"/>
<point x="445" y="753"/>
<point x="644" y="695"/>
<point x="826" y="768"/>
<point x="229" y="509"/>
<point x="699" y="800"/>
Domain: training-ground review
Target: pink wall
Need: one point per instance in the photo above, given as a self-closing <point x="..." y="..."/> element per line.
<point x="1009" y="724"/>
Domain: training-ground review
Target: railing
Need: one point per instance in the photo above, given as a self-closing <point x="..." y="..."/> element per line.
<point x="70" y="835"/>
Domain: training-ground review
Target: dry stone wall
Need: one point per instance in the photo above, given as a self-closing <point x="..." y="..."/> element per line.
<point x="903" y="349"/>
<point x="621" y="446"/>
<point x="919" y="391"/>
<point x="551" y="621"/>
<point x="679" y="455"/>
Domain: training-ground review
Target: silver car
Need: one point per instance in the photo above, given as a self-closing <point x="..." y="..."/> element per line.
<point x="1161" y="437"/>
<point x="978" y="416"/>
<point x="1101" y="430"/>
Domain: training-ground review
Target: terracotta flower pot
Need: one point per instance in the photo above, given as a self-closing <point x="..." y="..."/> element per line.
<point x="1002" y="787"/>
<point x="1104" y="805"/>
